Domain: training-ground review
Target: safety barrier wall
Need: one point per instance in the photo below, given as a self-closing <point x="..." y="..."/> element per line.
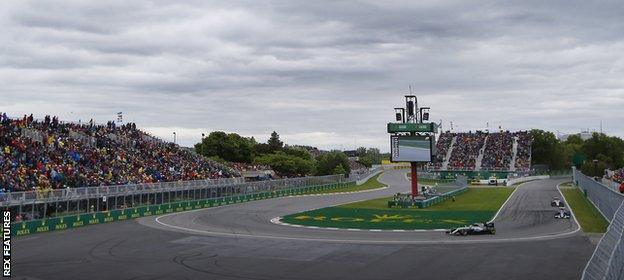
<point x="602" y="196"/>
<point x="607" y="262"/>
<point x="435" y="200"/>
<point x="79" y="220"/>
<point x="461" y="182"/>
<point x="426" y="202"/>
<point x="513" y="181"/>
<point x="366" y="177"/>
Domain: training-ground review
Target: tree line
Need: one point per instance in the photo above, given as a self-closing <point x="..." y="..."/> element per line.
<point x="592" y="156"/>
<point x="290" y="161"/>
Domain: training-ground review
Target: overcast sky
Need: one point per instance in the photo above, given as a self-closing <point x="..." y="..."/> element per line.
<point x="326" y="74"/>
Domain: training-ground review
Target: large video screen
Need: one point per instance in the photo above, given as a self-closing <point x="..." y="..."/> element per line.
<point x="410" y="148"/>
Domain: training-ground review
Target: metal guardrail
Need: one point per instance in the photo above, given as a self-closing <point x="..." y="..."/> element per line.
<point x="24" y="197"/>
<point x="51" y="196"/>
<point x="607" y="261"/>
<point x="42" y="205"/>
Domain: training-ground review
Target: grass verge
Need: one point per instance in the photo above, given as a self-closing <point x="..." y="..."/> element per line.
<point x="587" y="215"/>
<point x="475" y="205"/>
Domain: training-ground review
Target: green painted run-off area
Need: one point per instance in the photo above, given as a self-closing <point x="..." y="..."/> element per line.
<point x="474" y="205"/>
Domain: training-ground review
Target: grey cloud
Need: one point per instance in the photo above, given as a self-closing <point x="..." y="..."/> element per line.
<point x="313" y="69"/>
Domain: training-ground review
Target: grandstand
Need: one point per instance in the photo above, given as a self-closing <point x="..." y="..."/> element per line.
<point x="618" y="176"/>
<point x="484" y="151"/>
<point x="49" y="154"/>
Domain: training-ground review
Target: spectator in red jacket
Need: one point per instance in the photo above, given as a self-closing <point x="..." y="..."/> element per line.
<point x="622" y="188"/>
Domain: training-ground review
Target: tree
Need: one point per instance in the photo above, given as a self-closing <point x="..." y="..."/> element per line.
<point x="339" y="170"/>
<point x="590" y="168"/>
<point x="287" y="165"/>
<point x="369" y="156"/>
<point x="298" y="152"/>
<point x="274" y="142"/>
<point x="230" y="147"/>
<point x="611" y="149"/>
<point x="262" y="148"/>
<point x="326" y="163"/>
<point x="547" y="149"/>
<point x="366" y="161"/>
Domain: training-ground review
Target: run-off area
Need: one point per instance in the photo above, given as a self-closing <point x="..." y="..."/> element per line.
<point x="475" y="205"/>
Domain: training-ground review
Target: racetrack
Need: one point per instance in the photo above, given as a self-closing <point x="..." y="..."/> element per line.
<point x="527" y="215"/>
<point x="239" y="242"/>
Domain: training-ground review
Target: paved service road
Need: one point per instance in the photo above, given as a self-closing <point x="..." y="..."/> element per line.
<point x="239" y="242"/>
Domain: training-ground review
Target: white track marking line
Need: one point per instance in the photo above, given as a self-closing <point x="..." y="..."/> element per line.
<point x="505" y="203"/>
<point x="278" y="221"/>
<point x="363" y="241"/>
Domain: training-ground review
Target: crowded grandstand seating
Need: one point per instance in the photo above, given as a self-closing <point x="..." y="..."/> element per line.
<point x="238" y="166"/>
<point x="50" y="154"/>
<point x="466" y="150"/>
<point x="442" y="147"/>
<point x="497" y="151"/>
<point x="523" y="154"/>
<point x="618" y="176"/>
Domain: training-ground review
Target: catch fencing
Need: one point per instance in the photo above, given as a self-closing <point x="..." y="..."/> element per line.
<point x="607" y="261"/>
<point x="188" y="203"/>
<point x="35" y="205"/>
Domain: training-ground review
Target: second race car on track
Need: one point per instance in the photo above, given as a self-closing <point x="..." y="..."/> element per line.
<point x="476" y="228"/>
<point x="562" y="214"/>
<point x="556" y="202"/>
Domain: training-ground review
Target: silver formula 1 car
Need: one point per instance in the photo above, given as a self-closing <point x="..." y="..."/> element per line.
<point x="556" y="202"/>
<point x="562" y="214"/>
<point x="476" y="228"/>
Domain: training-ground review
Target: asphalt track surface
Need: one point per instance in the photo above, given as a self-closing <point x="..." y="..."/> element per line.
<point x="239" y="242"/>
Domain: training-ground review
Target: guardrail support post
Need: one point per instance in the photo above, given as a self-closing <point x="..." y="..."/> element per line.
<point x="414" y="168"/>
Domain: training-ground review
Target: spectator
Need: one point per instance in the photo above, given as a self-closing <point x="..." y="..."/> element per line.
<point x="466" y="150"/>
<point x="618" y="175"/>
<point x="48" y="154"/>
<point x="497" y="150"/>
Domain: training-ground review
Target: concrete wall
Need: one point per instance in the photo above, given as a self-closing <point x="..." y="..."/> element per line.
<point x="371" y="175"/>
<point x="513" y="181"/>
